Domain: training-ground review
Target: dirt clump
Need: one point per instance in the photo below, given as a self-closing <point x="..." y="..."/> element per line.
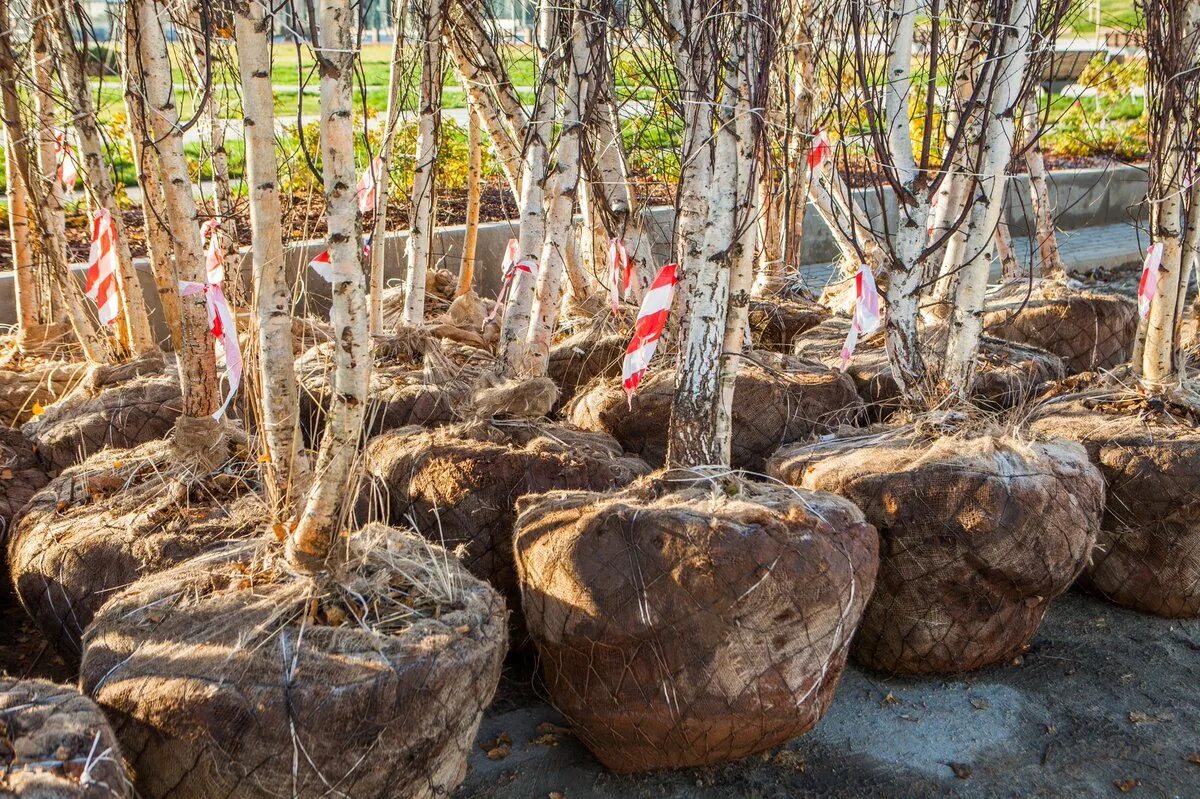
<point x="688" y="624"/>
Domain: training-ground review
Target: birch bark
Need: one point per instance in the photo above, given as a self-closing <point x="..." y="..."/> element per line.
<point x="287" y="469"/>
<point x="197" y="355"/>
<point x="27" y="300"/>
<point x="429" y="123"/>
<point x="466" y="271"/>
<point x="972" y="247"/>
<point x="98" y="181"/>
<point x="378" y="259"/>
<point x="311" y="545"/>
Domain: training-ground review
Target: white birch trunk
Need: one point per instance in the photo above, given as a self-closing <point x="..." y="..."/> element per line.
<point x="287" y="470"/>
<point x="796" y="181"/>
<point x="1043" y="212"/>
<point x="429" y="122"/>
<point x="27" y="299"/>
<point x="98" y="182"/>
<point x="311" y="545"/>
<point x="532" y="232"/>
<point x="972" y="247"/>
<point x="1010" y="267"/>
<point x="154" y="212"/>
<point x="197" y="355"/>
<point x="46" y="105"/>
<point x="396" y="75"/>
<point x="21" y="168"/>
<point x="560" y="228"/>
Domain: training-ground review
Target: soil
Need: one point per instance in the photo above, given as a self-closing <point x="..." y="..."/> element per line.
<point x="1103" y="701"/>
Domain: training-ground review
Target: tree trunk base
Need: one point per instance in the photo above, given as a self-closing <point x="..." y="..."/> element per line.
<point x="56" y="744"/>
<point x="777" y="399"/>
<point x="978" y="536"/>
<point x="234" y="678"/>
<point x="117" y="516"/>
<point x="1148" y="553"/>
<point x="687" y="626"/>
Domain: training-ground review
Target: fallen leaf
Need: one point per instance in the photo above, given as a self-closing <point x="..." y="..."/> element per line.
<point x="499" y="752"/>
<point x="6" y="474"/>
<point x="463" y="629"/>
<point x="280" y="532"/>
<point x="557" y="795"/>
<point x="1125" y="786"/>
<point x="1138" y="717"/>
<point x="37" y="410"/>
<point x="1193" y="758"/>
<point x="980" y="703"/>
<point x="961" y="770"/>
<point x="264" y="458"/>
<point x="890" y="699"/>
<point x="791" y="760"/>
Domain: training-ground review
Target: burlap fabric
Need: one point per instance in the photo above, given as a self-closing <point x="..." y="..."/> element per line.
<point x="243" y="680"/>
<point x="685" y="626"/>
<point x="458" y="485"/>
<point x="1148" y="553"/>
<point x="56" y="744"/>
<point x="978" y="534"/>
<point x="777" y="399"/>
<point x="1088" y="329"/>
<point x="117" y="516"/>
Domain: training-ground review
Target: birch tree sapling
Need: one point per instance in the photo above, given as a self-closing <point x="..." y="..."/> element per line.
<point x="46" y="105"/>
<point x="311" y="545"/>
<point x="564" y="181"/>
<point x="287" y="466"/>
<point x="28" y="298"/>
<point x="726" y="46"/>
<point x="531" y="234"/>
<point x="21" y="167"/>
<point x="466" y="271"/>
<point x="134" y="320"/>
<point x="197" y="354"/>
<point x="431" y="21"/>
<point x="383" y="180"/>
<point x="154" y="213"/>
<point x="1173" y="112"/>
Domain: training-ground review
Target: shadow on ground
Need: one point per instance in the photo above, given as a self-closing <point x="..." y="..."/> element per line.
<point x="1105" y="703"/>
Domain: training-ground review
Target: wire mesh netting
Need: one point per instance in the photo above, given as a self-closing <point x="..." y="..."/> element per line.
<point x="777" y="399"/>
<point x="459" y="484"/>
<point x="115" y="406"/>
<point x="978" y="534"/>
<point x="1148" y="553"/>
<point x="682" y="626"/>
<point x="233" y="676"/>
<point x="56" y="744"/>
<point x="118" y="515"/>
<point x="1088" y="329"/>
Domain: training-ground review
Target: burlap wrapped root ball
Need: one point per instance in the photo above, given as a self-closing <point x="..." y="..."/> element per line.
<point x="1088" y="329"/>
<point x="241" y="679"/>
<point x="583" y="356"/>
<point x="458" y="485"/>
<point x="56" y="744"/>
<point x="403" y="390"/>
<point x="117" y="406"/>
<point x="774" y="323"/>
<point x="21" y="476"/>
<point x="777" y="399"/>
<point x="1006" y="373"/>
<point x="117" y="516"/>
<point x="34" y="383"/>
<point x="978" y="536"/>
<point x="685" y="626"/>
<point x="1148" y="553"/>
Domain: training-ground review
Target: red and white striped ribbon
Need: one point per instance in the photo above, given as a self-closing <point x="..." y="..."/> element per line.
<point x="1148" y="285"/>
<point x="64" y="158"/>
<point x="821" y="150"/>
<point x="648" y="329"/>
<point x="224" y="329"/>
<point x="323" y="266"/>
<point x="509" y="268"/>
<point x="866" y="312"/>
<point x="214" y="256"/>
<point x="102" y="266"/>
<point x="620" y="273"/>
<point x="368" y="186"/>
